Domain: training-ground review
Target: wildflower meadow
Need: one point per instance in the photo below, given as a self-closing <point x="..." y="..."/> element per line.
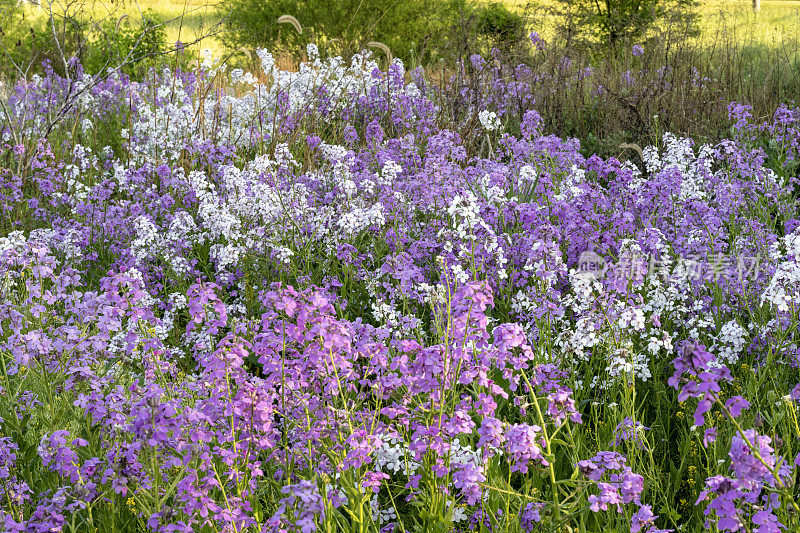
<point x="355" y="296"/>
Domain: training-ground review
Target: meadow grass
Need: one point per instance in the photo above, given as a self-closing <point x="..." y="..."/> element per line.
<point x="776" y="25"/>
<point x="187" y="21"/>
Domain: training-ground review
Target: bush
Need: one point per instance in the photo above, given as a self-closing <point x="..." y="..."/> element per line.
<point x="15" y="37"/>
<point x="67" y="36"/>
<point x="502" y="27"/>
<point x="615" y="22"/>
<point x="9" y="9"/>
<point x="408" y="28"/>
<point x="127" y="38"/>
<point x="668" y="83"/>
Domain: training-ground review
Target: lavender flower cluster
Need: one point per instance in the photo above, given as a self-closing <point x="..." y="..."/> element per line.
<point x="316" y="300"/>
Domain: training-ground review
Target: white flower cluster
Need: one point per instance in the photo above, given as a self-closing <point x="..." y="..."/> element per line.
<point x="783" y="290"/>
<point x="381" y="516"/>
<point x="172" y="246"/>
<point x="458" y="273"/>
<point x="267" y="61"/>
<point x="389" y="173"/>
<point x="393" y="456"/>
<point x="731" y="341"/>
<point x="528" y="174"/>
<point x="433" y="294"/>
<point x="570" y="185"/>
<point x="15" y="240"/>
<point x="679" y="157"/>
<point x="163" y="130"/>
<point x="284" y="255"/>
<point x="385" y="313"/>
<point x="655" y="344"/>
<point x="493" y="193"/>
<point x="489" y="120"/>
<point x="70" y="244"/>
<point x="249" y="209"/>
<point x="631" y="317"/>
<point x="360" y="219"/>
<point x="468" y="228"/>
<point x="464" y="212"/>
<point x="146" y="239"/>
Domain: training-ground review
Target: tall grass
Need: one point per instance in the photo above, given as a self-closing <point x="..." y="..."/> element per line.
<point x="188" y="20"/>
<point x="671" y="82"/>
<point x="777" y="24"/>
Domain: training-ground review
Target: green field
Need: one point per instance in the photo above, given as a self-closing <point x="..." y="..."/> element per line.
<point x="185" y="20"/>
<point x="778" y="23"/>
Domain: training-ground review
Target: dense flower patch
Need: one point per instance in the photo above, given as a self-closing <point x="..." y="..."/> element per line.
<point x="316" y="300"/>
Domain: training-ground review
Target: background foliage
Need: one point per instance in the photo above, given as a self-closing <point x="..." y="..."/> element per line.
<point x="610" y="23"/>
<point x="410" y="28"/>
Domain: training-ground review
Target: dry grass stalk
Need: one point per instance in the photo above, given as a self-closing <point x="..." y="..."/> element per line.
<point x="119" y="23"/>
<point x="288" y="19"/>
<point x="383" y="47"/>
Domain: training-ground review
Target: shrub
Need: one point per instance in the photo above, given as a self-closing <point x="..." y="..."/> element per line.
<point x="666" y="82"/>
<point x="408" y="28"/>
<point x="502" y="27"/>
<point x="16" y="35"/>
<point x="9" y="9"/>
<point x="127" y="38"/>
<point x="67" y="36"/>
<point x="615" y="22"/>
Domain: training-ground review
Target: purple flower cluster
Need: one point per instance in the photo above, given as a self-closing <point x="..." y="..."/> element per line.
<point x="617" y="483"/>
<point x="630" y="430"/>
<point x="299" y="510"/>
<point x="698" y="375"/>
<point x="747" y="497"/>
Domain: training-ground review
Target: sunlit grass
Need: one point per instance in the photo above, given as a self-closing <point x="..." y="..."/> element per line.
<point x="190" y="19"/>
<point x="776" y="23"/>
<point x="773" y="25"/>
<point x="186" y="21"/>
<point x="776" y="26"/>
